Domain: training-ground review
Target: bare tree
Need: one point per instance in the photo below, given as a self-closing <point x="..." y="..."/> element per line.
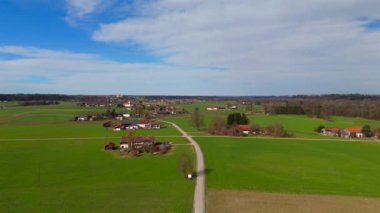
<point x="197" y="118"/>
<point x="185" y="165"/>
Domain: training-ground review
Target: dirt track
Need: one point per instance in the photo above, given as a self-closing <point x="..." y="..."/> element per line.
<point x="242" y="201"/>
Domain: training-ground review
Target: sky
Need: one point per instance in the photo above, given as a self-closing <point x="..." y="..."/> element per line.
<point x="190" y="47"/>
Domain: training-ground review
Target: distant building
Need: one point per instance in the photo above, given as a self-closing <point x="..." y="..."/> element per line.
<point x="212" y="108"/>
<point x="331" y="131"/>
<point x="139" y="142"/>
<point x="245" y="129"/>
<point x="354" y="132"/>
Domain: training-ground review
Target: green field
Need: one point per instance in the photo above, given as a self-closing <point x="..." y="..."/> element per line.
<point x="293" y="166"/>
<point x="55" y="121"/>
<point x="299" y="125"/>
<point x="76" y="174"/>
<point x="51" y="164"/>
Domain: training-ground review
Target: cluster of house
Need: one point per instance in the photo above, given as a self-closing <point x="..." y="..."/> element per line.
<point x="133" y="125"/>
<point x="353" y="132"/>
<point x="227" y="106"/>
<point x="140" y="144"/>
<point x="94" y="117"/>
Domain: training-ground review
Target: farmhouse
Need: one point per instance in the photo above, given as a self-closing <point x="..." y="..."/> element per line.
<point x="353" y="132"/>
<point x="137" y="143"/>
<point x="231" y="106"/>
<point x="129" y="124"/>
<point x="144" y="124"/>
<point x="331" y="131"/>
<point x="245" y="129"/>
<point x="212" y="108"/>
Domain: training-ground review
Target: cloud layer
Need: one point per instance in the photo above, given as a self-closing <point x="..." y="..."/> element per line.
<point x="48" y="71"/>
<point x="304" y="47"/>
<point x="212" y="47"/>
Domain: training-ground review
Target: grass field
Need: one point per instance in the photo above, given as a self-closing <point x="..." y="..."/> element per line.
<point x="54" y="121"/>
<point x="299" y="125"/>
<point x="311" y="167"/>
<point x="77" y="175"/>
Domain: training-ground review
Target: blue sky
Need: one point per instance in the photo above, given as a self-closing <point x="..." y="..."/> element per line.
<point x="189" y="47"/>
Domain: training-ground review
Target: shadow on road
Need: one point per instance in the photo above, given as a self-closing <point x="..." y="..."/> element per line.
<point x="204" y="172"/>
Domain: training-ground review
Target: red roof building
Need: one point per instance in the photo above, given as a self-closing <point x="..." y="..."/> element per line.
<point x="245" y="128"/>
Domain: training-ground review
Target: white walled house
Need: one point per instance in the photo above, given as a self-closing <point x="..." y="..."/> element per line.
<point x="212" y="108"/>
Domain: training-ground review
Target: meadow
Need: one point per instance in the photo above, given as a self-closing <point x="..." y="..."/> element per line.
<point x="293" y="166"/>
<point x="20" y="122"/>
<point x="47" y="173"/>
<point x="299" y="125"/>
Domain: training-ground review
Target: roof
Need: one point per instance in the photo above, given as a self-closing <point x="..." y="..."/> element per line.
<point x="145" y="139"/>
<point x="245" y="127"/>
<point x="145" y="122"/>
<point x="354" y="130"/>
<point x="130" y="122"/>
<point x="332" y="129"/>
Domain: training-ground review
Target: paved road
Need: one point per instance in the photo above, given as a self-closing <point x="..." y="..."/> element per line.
<point x="199" y="194"/>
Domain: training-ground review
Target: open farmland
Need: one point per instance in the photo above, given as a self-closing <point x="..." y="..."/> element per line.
<point x="60" y="166"/>
<point x="296" y="166"/>
<point x="55" y="121"/>
<point x="290" y="166"/>
<point x="299" y="125"/>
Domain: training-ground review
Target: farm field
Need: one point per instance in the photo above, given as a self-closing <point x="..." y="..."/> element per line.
<point x="299" y="125"/>
<point x="245" y="168"/>
<point x="47" y="174"/>
<point x="77" y="176"/>
<point x="293" y="166"/>
<point x="303" y="126"/>
<point x="55" y="121"/>
<point x="223" y="201"/>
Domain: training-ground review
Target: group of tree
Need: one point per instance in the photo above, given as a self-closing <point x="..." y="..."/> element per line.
<point x="237" y="119"/>
<point x="230" y="126"/>
<point x="325" y="108"/>
<point x="277" y="130"/>
<point x="36" y="97"/>
<point x="37" y="103"/>
<point x="295" y="110"/>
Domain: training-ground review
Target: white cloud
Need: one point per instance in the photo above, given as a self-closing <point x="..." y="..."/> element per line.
<point x="75" y="73"/>
<point x="259" y="43"/>
<point x="80" y="8"/>
<point x="32" y="52"/>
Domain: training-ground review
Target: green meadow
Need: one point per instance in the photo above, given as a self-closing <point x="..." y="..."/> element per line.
<point x="50" y="163"/>
<point x="79" y="176"/>
<point x="56" y="121"/>
<point x="48" y="173"/>
<point x="292" y="166"/>
<point x="299" y="125"/>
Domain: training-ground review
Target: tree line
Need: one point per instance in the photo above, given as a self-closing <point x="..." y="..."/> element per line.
<point x="325" y="108"/>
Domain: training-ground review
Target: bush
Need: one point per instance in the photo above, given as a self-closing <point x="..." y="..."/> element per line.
<point x="319" y="128"/>
<point x="277" y="130"/>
